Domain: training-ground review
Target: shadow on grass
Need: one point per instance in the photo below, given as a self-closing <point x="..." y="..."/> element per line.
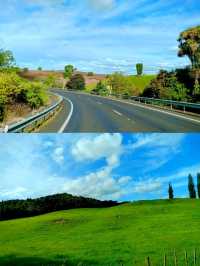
<point x="12" y="260"/>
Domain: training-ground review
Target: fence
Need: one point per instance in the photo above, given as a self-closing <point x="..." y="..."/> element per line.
<point x="176" y="259"/>
<point x="184" y="106"/>
<point x="34" y="121"/>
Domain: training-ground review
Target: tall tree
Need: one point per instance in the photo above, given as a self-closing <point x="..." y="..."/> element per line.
<point x="198" y="184"/>
<point x="6" y="59"/>
<point x="191" y="187"/>
<point x="189" y="45"/>
<point x="68" y="72"/>
<point x="171" y="191"/>
<point x="139" y="68"/>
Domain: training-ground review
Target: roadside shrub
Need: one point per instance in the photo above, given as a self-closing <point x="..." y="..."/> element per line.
<point x="102" y="89"/>
<point x="35" y="95"/>
<point x="121" y="84"/>
<point x="14" y="89"/>
<point x="166" y="86"/>
<point x="77" y="82"/>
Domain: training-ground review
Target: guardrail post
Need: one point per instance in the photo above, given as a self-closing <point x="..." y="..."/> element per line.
<point x="184" y="109"/>
<point x="171" y="106"/>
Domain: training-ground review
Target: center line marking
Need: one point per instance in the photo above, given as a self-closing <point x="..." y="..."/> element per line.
<point x="116" y="112"/>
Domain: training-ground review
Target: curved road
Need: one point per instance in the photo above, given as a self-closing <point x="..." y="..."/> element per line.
<point x="97" y="114"/>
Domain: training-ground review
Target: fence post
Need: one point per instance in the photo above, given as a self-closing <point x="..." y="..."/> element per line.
<point x="186" y="258"/>
<point x="195" y="257"/>
<point x="148" y="262"/>
<point x="175" y="258"/>
<point x="165" y="260"/>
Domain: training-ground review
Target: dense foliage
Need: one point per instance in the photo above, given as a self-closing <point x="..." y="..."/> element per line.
<point x="6" y="59"/>
<point x="189" y="45"/>
<point x="68" y="71"/>
<point x="14" y="89"/>
<point x="76" y="82"/>
<point x="166" y="86"/>
<point x="31" y="207"/>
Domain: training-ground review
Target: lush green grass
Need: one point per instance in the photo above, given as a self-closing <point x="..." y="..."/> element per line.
<point x="122" y="234"/>
<point x="140" y="82"/>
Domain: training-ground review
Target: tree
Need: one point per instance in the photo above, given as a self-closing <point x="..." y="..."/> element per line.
<point x="39" y="68"/>
<point x="77" y="82"/>
<point x="139" y="68"/>
<point x="198" y="184"/>
<point x="191" y="187"/>
<point x="171" y="192"/>
<point x="6" y="59"/>
<point x="68" y="71"/>
<point x="189" y="45"/>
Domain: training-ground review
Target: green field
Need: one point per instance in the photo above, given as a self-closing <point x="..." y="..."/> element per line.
<point x="140" y="82"/>
<point x="122" y="235"/>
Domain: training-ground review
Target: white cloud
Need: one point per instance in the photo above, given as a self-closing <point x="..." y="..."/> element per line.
<point x="104" y="146"/>
<point x="100" y="184"/>
<point x="147" y="186"/>
<point x="58" y="155"/>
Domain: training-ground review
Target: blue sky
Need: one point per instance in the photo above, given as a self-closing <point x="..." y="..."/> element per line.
<point x="104" y="166"/>
<point x="96" y="35"/>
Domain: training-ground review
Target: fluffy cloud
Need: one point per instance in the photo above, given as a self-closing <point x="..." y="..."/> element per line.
<point x="107" y="146"/>
<point x="100" y="184"/>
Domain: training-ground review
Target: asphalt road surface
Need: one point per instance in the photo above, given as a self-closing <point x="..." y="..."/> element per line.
<point x="88" y="113"/>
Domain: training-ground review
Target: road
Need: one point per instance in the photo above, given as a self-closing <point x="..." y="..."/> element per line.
<point x="88" y="113"/>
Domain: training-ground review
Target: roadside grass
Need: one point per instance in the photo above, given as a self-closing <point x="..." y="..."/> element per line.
<point x="122" y="235"/>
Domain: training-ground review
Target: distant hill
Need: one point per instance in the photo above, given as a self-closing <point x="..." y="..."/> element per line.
<point x="24" y="208"/>
<point x="122" y="235"/>
<point x="35" y="74"/>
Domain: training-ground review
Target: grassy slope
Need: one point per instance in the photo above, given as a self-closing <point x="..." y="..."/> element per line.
<point x="139" y="82"/>
<point x="102" y="236"/>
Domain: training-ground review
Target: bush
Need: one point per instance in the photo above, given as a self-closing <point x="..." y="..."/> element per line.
<point x="101" y="89"/>
<point x="121" y="84"/>
<point x="35" y="95"/>
<point x="166" y="86"/>
<point x="77" y="82"/>
<point x="14" y="89"/>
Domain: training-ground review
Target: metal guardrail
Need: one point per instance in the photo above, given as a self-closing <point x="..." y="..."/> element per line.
<point x="171" y="103"/>
<point x="32" y="120"/>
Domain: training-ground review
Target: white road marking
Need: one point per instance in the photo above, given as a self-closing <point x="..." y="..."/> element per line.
<point x="151" y="108"/>
<point x="100" y="103"/>
<point x="69" y="116"/>
<point x="116" y="112"/>
<point x="146" y="107"/>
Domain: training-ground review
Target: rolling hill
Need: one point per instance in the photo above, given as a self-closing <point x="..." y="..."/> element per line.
<point x="121" y="235"/>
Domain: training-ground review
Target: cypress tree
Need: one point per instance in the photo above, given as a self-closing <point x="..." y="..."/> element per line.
<point x="198" y="184"/>
<point x="171" y="192"/>
<point x="191" y="187"/>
